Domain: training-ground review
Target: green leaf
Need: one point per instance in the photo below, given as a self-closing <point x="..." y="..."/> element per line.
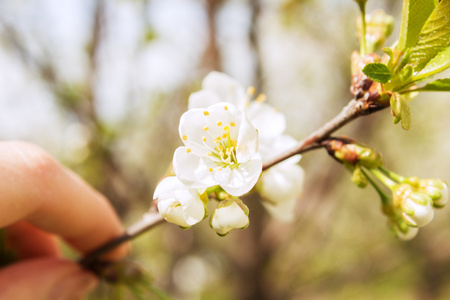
<point x="377" y="72"/>
<point x="414" y="15"/>
<point x="401" y="111"/>
<point x="439" y="63"/>
<point x="440" y="85"/>
<point x="434" y="39"/>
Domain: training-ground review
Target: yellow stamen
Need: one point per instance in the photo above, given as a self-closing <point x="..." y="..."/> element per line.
<point x="188" y="150"/>
<point x="251" y="90"/>
<point x="226" y="128"/>
<point x="232" y="124"/>
<point x="209" y="153"/>
<point x="224" y="135"/>
<point x="219" y="123"/>
<point x="220" y="147"/>
<point x="205" y="128"/>
<point x="225" y="107"/>
<point x="234" y="143"/>
<point x="206" y="113"/>
<point x="184" y="137"/>
<point x="204" y="139"/>
<point x="261" y="98"/>
<point x="210" y="169"/>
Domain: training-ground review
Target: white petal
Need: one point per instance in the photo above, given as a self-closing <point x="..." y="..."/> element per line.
<point x="410" y="234"/>
<point x="240" y="180"/>
<point x="228" y="218"/>
<point x="226" y="88"/>
<point x="202" y="99"/>
<point x="193" y="206"/>
<point x="177" y="203"/>
<point x="284" y="211"/>
<point x="266" y="119"/>
<point x="247" y="142"/>
<point x="167" y="186"/>
<point x="423" y="214"/>
<point x="172" y="211"/>
<point x="193" y="170"/>
<point x="281" y="183"/>
<point x="197" y="125"/>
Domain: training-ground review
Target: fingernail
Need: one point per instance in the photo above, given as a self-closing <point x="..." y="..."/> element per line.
<point x="74" y="286"/>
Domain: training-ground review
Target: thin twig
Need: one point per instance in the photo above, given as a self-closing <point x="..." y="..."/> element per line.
<point x="147" y="222"/>
<point x="348" y="113"/>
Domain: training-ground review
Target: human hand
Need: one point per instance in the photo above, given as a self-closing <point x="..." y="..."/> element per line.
<point x="40" y="202"/>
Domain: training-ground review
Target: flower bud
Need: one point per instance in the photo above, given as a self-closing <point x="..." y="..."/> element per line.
<point x="403" y="231"/>
<point x="436" y="189"/>
<point x="179" y="204"/>
<point x="229" y="214"/>
<point x="379" y="26"/>
<point x="417" y="209"/>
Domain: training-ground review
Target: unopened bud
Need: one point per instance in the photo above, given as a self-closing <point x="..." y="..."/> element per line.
<point x="359" y="178"/>
<point x="417" y="209"/>
<point x="229" y="214"/>
<point x="436" y="189"/>
<point x="403" y="231"/>
<point x="379" y="26"/>
<point x="348" y="152"/>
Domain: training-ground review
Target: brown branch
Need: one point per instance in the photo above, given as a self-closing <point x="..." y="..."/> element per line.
<point x="353" y="110"/>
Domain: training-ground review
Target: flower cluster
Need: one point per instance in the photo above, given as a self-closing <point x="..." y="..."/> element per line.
<point x="227" y="137"/>
<point x="411" y="201"/>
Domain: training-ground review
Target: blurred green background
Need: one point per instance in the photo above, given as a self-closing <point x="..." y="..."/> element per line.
<point x="101" y="86"/>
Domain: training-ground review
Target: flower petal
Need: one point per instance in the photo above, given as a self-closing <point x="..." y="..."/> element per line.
<point x="226" y="88"/>
<point x="202" y="99"/>
<point x="193" y="170"/>
<point x="266" y="119"/>
<point x="193" y="206"/>
<point x="240" y="180"/>
<point x="247" y="142"/>
<point x="228" y="216"/>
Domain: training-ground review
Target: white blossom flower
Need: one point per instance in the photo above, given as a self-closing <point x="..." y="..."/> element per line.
<point x="229" y="214"/>
<point x="280" y="187"/>
<point x="219" y="87"/>
<point x="221" y="148"/>
<point x="179" y="204"/>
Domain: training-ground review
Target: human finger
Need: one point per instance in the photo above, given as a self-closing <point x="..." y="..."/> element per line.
<point x="43" y="279"/>
<point x="36" y="188"/>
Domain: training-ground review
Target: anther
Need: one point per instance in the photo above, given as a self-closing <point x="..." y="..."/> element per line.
<point x="205" y="128"/>
<point x="261" y="98"/>
<point x="210" y="169"/>
<point x="232" y="124"/>
<point x="225" y="107"/>
<point x="184" y="137"/>
<point x="188" y="150"/>
<point x="219" y="123"/>
<point x="206" y="113"/>
<point x="204" y="139"/>
<point x="251" y="90"/>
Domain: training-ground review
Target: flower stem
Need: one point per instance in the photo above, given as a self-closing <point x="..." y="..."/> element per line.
<point x="392" y="175"/>
<point x="383" y="178"/>
<point x="363" y="47"/>
<point x="384" y="198"/>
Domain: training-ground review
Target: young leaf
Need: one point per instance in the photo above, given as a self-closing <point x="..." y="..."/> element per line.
<point x="440" y="85"/>
<point x="377" y="72"/>
<point x="439" y="63"/>
<point x="414" y="15"/>
<point x="401" y="111"/>
<point x="434" y="38"/>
